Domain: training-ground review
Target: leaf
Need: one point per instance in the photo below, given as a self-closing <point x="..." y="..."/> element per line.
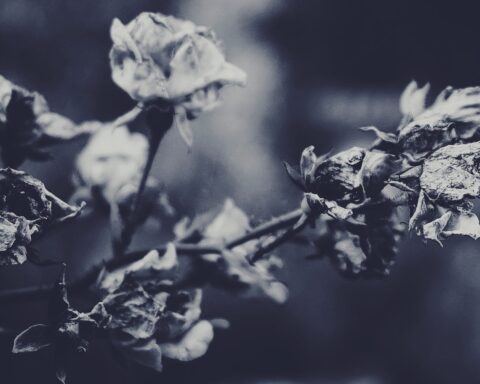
<point x="413" y="98"/>
<point x="307" y="164"/>
<point x="452" y="223"/>
<point x="423" y="211"/>
<point x="152" y="267"/>
<point x="192" y="345"/>
<point x="183" y="126"/>
<point x="28" y="197"/>
<point x="232" y="271"/>
<point x="32" y="339"/>
<point x="231" y="222"/>
<point x="384" y="136"/>
<point x="433" y="230"/>
<point x="465" y="224"/>
<point x="452" y="173"/>
<point x="145" y="352"/>
<point x="317" y="205"/>
<point x="295" y="176"/>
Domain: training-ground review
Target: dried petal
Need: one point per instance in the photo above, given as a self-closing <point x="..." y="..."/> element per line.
<point x="452" y="173"/>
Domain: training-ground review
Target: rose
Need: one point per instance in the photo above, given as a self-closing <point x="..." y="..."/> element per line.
<point x="163" y="61"/>
<point x="112" y="159"/>
<point x="161" y="57"/>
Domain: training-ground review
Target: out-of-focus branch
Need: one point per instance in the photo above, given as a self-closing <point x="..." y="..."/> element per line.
<point x="285" y="221"/>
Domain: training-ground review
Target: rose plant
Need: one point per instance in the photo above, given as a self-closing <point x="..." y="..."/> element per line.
<point x="354" y="206"/>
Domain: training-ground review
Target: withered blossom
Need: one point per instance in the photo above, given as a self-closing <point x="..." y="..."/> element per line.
<point x="67" y="331"/>
<point x="160" y="59"/>
<point x="148" y="326"/>
<point x="112" y="159"/>
<point x="26" y="208"/>
<point x="28" y="127"/>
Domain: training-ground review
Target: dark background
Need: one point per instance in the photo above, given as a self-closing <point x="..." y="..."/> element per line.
<point x="318" y="70"/>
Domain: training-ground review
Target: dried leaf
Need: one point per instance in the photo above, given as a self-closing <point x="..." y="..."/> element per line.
<point x="192" y="345"/>
<point x="152" y="267"/>
<point x="413" y="98"/>
<point x="295" y="176"/>
<point x="383" y="136"/>
<point x="32" y="339"/>
<point x="307" y="164"/>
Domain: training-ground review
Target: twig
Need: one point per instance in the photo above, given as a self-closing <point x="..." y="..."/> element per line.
<point x="90" y="276"/>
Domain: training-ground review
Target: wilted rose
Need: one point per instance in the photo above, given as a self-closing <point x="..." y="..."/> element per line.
<point x="161" y="57"/>
<point x="112" y="159"/>
<point x="148" y="326"/>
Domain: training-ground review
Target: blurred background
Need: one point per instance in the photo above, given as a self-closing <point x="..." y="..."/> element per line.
<point x="317" y="70"/>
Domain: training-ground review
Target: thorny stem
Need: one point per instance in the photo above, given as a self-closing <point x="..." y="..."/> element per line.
<point x="286" y="220"/>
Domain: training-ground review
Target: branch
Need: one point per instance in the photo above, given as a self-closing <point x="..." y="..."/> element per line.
<point x="281" y="222"/>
